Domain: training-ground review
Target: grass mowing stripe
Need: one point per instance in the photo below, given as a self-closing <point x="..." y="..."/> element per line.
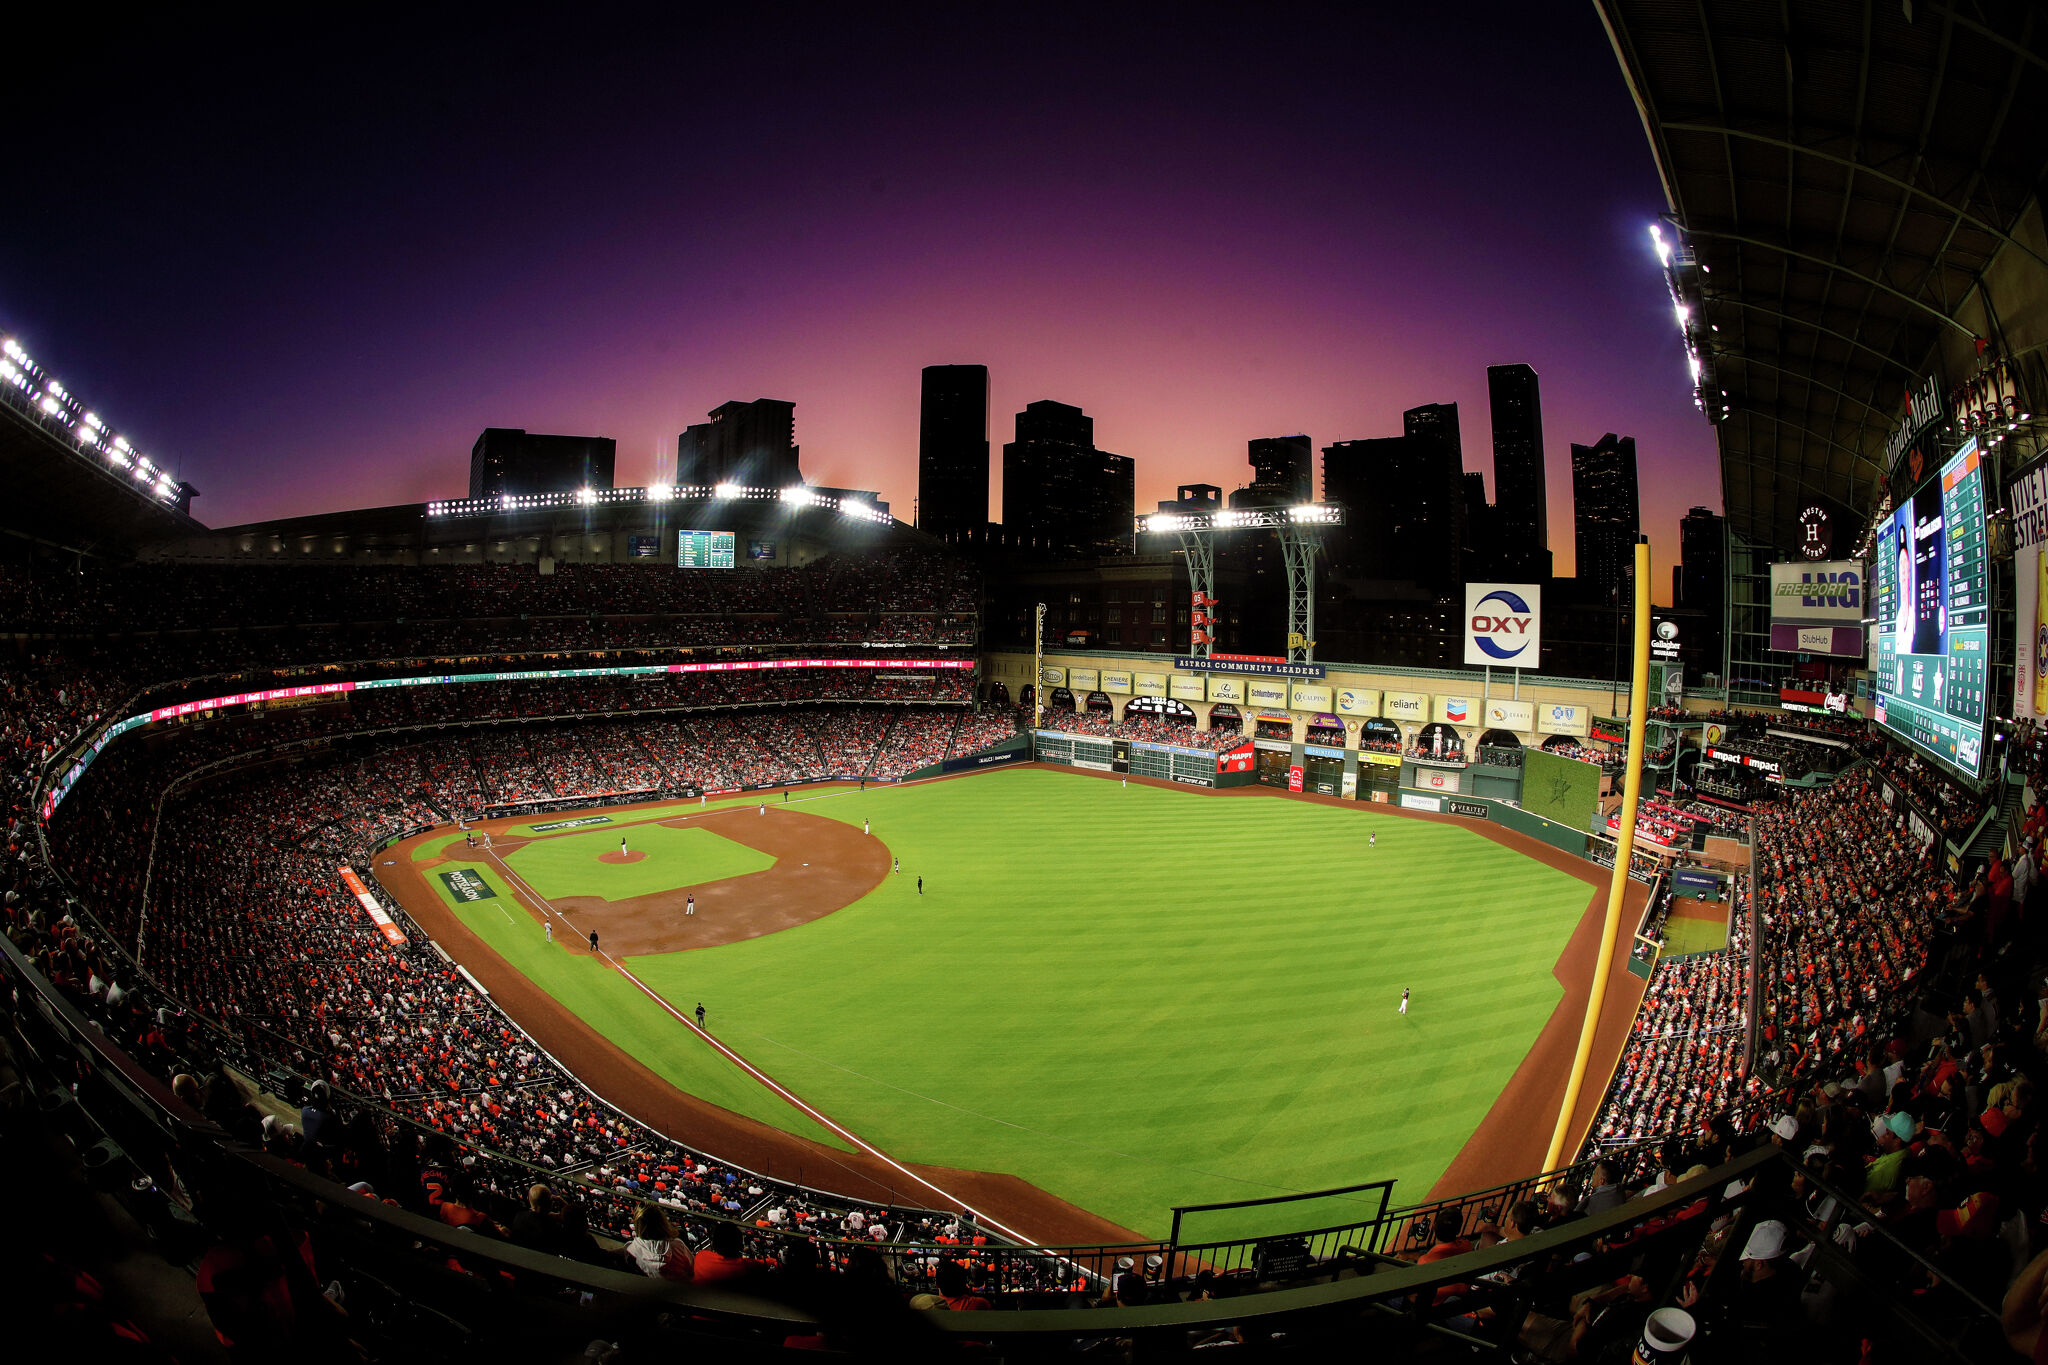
<point x="1205" y="986"/>
<point x="599" y="995"/>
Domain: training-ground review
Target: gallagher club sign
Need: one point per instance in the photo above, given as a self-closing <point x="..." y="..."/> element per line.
<point x="1503" y="625"/>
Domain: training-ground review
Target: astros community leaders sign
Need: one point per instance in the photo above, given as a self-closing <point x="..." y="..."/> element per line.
<point x="1503" y="625"/>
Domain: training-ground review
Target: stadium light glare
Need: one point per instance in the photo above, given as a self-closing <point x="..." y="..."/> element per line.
<point x="799" y="496"/>
<point x="586" y="496"/>
<point x="1663" y="247"/>
<point x="726" y="490"/>
<point x="51" y="406"/>
<point x="661" y="492"/>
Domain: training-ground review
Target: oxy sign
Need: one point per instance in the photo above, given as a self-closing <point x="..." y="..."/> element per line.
<point x="1503" y="625"/>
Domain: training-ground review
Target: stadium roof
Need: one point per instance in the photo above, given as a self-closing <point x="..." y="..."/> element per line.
<point x="1843" y="177"/>
<point x="54" y="497"/>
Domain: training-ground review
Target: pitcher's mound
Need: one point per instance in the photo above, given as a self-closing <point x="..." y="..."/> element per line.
<point x="633" y="857"/>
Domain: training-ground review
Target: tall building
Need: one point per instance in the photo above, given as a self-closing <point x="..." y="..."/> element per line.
<point x="1285" y="462"/>
<point x="1703" y="577"/>
<point x="1520" y="497"/>
<point x="509" y="460"/>
<point x="1484" y="560"/>
<point x="952" y="451"/>
<point x="1060" y="494"/>
<point x="744" y="443"/>
<point x="1431" y="494"/>
<point x="1606" y="514"/>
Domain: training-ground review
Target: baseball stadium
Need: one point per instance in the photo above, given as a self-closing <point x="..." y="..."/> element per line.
<point x="528" y="923"/>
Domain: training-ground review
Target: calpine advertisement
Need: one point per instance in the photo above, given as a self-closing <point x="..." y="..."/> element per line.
<point x="1503" y="625"/>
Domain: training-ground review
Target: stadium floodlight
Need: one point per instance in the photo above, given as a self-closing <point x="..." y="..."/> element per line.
<point x="1663" y="247"/>
<point x="798" y="496"/>
<point x="726" y="490"/>
<point x="51" y="406"/>
<point x="661" y="492"/>
<point x="586" y="496"/>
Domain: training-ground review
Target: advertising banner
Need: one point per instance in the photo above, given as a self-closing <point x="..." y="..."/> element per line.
<point x="1556" y="718"/>
<point x="1503" y="625"/>
<point x="1116" y="680"/>
<point x="2027" y="496"/>
<point x="1151" y="684"/>
<point x="1238" y="760"/>
<point x="1183" y="688"/>
<point x="1225" y="689"/>
<point x="1456" y="710"/>
<point x="1052" y="677"/>
<point x="1224" y="664"/>
<point x="391" y="931"/>
<point x="1358" y="701"/>
<point x="1473" y="810"/>
<point x="1408" y="706"/>
<point x="577" y="823"/>
<point x="1378" y="759"/>
<point x="1818" y="608"/>
<point x="467" y="886"/>
<point x="1511" y="715"/>
<point x="1261" y="693"/>
<point x="1294" y="778"/>
<point x="1349" y="787"/>
<point x="1083" y="679"/>
<point x="760" y="549"/>
<point x="643" y="547"/>
<point x="1438" y="779"/>
<point x="1410" y="801"/>
<point x="1310" y="697"/>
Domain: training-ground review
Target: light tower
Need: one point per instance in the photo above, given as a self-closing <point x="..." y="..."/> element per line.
<point x="1196" y="517"/>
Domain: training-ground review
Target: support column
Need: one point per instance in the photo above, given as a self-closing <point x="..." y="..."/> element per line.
<point x="1298" y="546"/>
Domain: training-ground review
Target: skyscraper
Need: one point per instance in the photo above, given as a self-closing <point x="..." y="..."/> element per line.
<point x="745" y="443"/>
<point x="1520" y="498"/>
<point x="1060" y="494"/>
<point x="952" y="451"/>
<point x="509" y="460"/>
<point x="1431" y="492"/>
<point x="1285" y="462"/>
<point x="1606" y="514"/>
<point x="1703" y="580"/>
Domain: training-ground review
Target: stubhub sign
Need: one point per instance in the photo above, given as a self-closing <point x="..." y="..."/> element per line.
<point x="1503" y="625"/>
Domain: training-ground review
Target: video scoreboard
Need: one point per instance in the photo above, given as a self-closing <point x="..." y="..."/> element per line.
<point x="1932" y="616"/>
<point x="704" y="549"/>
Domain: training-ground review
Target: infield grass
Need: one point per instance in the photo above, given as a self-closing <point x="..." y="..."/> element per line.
<point x="1684" y="934"/>
<point x="567" y="864"/>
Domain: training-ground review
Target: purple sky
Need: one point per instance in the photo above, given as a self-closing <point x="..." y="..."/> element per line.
<point x="305" y="276"/>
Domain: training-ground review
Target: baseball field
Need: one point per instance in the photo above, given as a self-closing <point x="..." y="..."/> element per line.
<point x="1131" y="997"/>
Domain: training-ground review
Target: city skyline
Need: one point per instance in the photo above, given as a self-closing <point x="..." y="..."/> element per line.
<point x="323" y="305"/>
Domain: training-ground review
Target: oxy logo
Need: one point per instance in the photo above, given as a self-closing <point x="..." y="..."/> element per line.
<point x="1493" y="632"/>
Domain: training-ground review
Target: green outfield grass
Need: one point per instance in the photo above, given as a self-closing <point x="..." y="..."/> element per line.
<point x="567" y="864"/>
<point x="1136" y="997"/>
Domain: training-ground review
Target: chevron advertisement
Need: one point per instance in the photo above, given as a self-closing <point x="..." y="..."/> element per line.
<point x="1503" y="625"/>
<point x="1457" y="710"/>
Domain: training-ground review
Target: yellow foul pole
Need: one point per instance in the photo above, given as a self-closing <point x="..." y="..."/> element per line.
<point x="1631" y="792"/>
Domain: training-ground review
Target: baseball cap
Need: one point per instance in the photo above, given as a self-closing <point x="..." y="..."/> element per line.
<point x="1902" y="1126"/>
<point x="1766" y="1241"/>
<point x="1785" y="1126"/>
<point x="1976" y="1216"/>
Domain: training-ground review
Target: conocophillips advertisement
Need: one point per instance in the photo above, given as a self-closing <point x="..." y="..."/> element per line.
<point x="1154" y="684"/>
<point x="2027" y="496"/>
<point x="1405" y="706"/>
<point x="1186" y="687"/>
<point x="1357" y="701"/>
<point x="1510" y="715"/>
<point x="1225" y="689"/>
<point x="1309" y="697"/>
<point x="1555" y="718"/>
<point x="1263" y="693"/>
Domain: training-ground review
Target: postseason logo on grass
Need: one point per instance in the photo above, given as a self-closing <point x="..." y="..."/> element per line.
<point x="572" y="824"/>
<point x="465" y="885"/>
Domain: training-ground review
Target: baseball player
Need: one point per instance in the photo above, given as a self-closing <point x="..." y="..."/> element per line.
<point x="690" y="904"/>
<point x="1404" y="1000"/>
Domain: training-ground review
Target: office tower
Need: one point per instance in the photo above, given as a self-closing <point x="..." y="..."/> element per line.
<point x="1483" y="557"/>
<point x="752" y="444"/>
<point x="1606" y="515"/>
<point x="1405" y="509"/>
<point x="509" y="460"/>
<point x="1286" y="463"/>
<point x="1521" y="504"/>
<point x="1429" y="489"/>
<point x="1703" y="582"/>
<point x="1060" y="494"/>
<point x="952" y="451"/>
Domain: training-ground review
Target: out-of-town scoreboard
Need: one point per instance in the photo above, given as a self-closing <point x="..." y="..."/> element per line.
<point x="704" y="549"/>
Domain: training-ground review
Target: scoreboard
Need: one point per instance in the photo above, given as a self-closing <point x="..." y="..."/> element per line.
<point x="1933" y="618"/>
<point x="704" y="549"/>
